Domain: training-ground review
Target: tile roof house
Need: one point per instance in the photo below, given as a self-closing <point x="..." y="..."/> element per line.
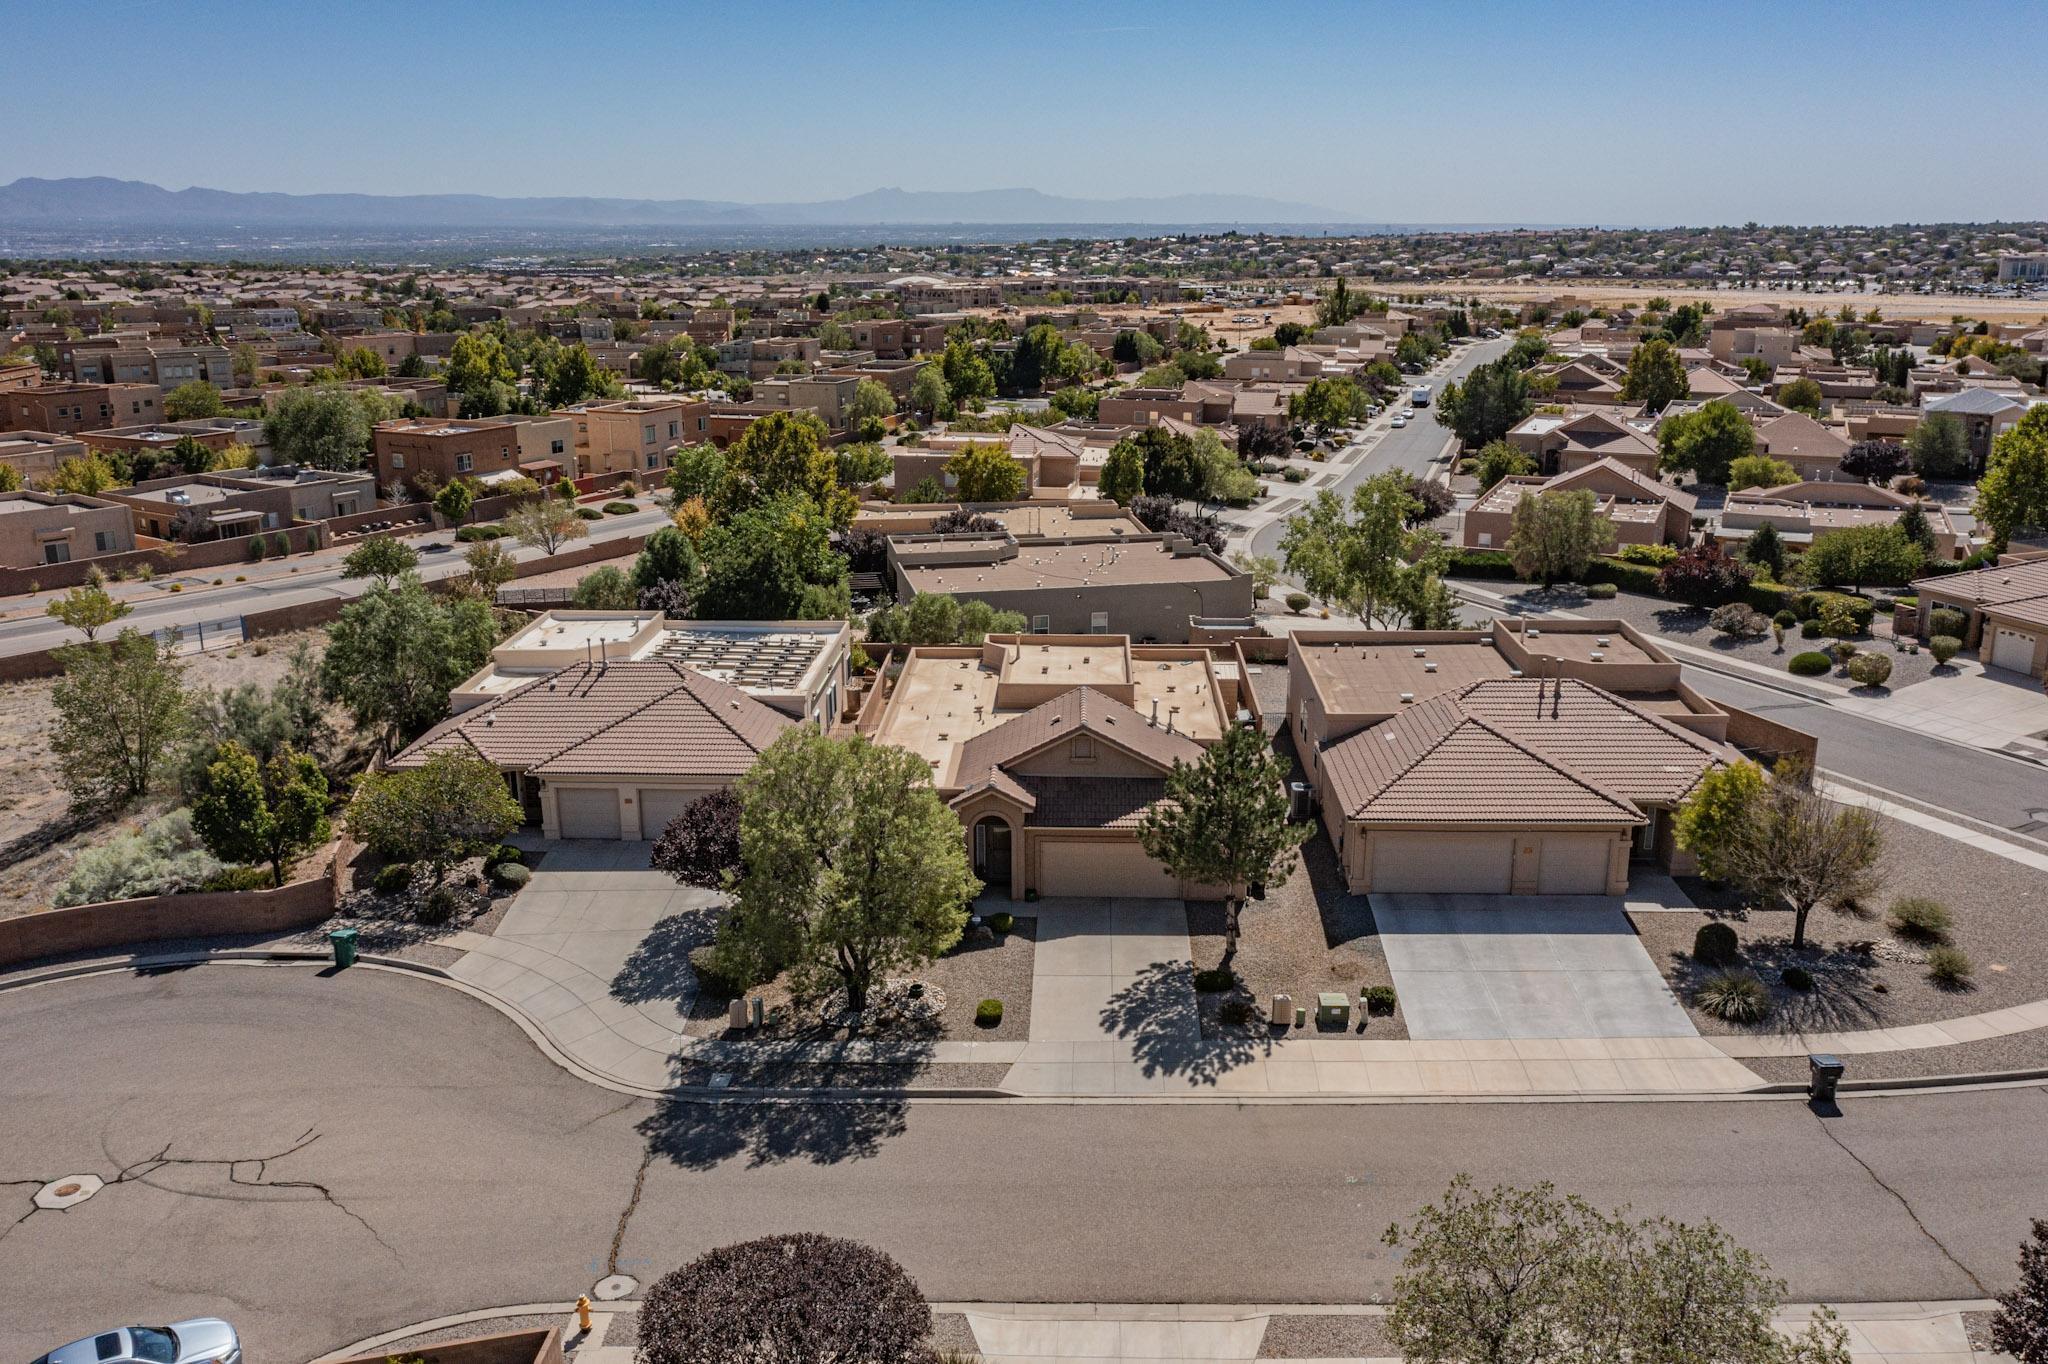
<point x="1813" y="450"/>
<point x="1642" y="509"/>
<point x="610" y="750"/>
<point x="1560" y="443"/>
<point x="2005" y="609"/>
<point x="1512" y="760"/>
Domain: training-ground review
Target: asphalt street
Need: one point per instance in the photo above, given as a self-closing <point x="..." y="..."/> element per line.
<point x="1410" y="448"/>
<point x="323" y="1158"/>
<point x="318" y="577"/>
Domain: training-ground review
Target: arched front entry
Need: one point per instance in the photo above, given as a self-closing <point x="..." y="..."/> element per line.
<point x="992" y="852"/>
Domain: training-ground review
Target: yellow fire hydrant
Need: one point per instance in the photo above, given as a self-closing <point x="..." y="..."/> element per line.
<point x="583" y="1313"/>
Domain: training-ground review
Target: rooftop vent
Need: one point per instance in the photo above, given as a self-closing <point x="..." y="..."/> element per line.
<point x="1514" y="672"/>
<point x="1600" y="640"/>
<point x="1598" y="656"/>
<point x="1429" y="667"/>
<point x="1535" y="633"/>
<point x="1407" y="698"/>
<point x="1420" y="652"/>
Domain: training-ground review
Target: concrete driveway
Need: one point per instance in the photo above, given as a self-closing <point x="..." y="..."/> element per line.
<point x="1471" y="967"/>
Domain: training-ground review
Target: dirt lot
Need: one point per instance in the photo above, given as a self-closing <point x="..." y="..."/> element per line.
<point x="1997" y="906"/>
<point x="32" y="799"/>
<point x="1635" y="294"/>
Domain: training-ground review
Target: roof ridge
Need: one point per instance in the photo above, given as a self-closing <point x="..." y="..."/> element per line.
<point x="1552" y="761"/>
<point x="1446" y="701"/>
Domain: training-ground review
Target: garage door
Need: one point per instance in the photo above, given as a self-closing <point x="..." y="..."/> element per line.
<point x="587" y="811"/>
<point x="658" y="807"/>
<point x="2012" y="650"/>
<point x="1444" y="864"/>
<point x="1072" y="867"/>
<point x="1574" y="864"/>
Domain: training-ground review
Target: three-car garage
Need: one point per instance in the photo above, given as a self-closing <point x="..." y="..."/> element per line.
<point x="1509" y="862"/>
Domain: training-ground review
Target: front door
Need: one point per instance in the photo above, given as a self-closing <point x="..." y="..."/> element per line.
<point x="992" y="853"/>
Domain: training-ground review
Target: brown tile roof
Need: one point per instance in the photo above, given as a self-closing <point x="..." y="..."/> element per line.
<point x="1083" y="708"/>
<point x="1000" y="782"/>
<point x="651" y="717"/>
<point x="1091" y="802"/>
<point x="1518" y="751"/>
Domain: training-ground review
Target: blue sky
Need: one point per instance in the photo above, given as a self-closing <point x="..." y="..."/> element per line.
<point x="1431" y="110"/>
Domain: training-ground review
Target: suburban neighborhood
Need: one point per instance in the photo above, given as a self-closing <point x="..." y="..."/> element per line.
<point x="955" y="775"/>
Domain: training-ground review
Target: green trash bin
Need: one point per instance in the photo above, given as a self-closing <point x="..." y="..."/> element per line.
<point x="344" y="941"/>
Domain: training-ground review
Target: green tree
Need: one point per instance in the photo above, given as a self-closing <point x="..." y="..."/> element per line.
<point x="852" y="866"/>
<point x="576" y="377"/>
<point x="1264" y="570"/>
<point x="454" y="500"/>
<point x="382" y="558"/>
<point x="1940" y="446"/>
<point x="782" y="455"/>
<point x="938" y="618"/>
<point x="772" y="562"/>
<point x="454" y="805"/>
<point x="1655" y="376"/>
<point x="488" y="566"/>
<point x="869" y="404"/>
<point x="191" y="401"/>
<point x="1499" y="460"/>
<point x="87" y="608"/>
<point x="986" y="473"/>
<point x="929" y="395"/>
<point x="1364" y="557"/>
<point x="88" y="475"/>
<point x="545" y="524"/>
<point x="1759" y="471"/>
<point x="1325" y="404"/>
<point x="1556" y="535"/>
<point x="1765" y="549"/>
<point x="1491" y="402"/>
<point x="1860" y="556"/>
<point x="10" y="479"/>
<point x="2013" y="494"/>
<point x="192" y="456"/>
<point x="605" y="589"/>
<point x="121" y="706"/>
<point x="269" y="813"/>
<point x="1524" y="1276"/>
<point x="1223" y="823"/>
<point x="322" y="427"/>
<point x="290" y="713"/>
<point x="397" y="650"/>
<point x="480" y="374"/>
<point x="667" y="557"/>
<point x="1803" y="395"/>
<point x="926" y="490"/>
<point x="1707" y="442"/>
<point x="695" y="471"/>
<point x="1135" y="348"/>
<point x="969" y="380"/>
<point x="360" y="362"/>
<point x="1123" y="473"/>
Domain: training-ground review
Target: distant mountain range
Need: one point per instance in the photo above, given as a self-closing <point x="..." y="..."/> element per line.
<point x="98" y="201"/>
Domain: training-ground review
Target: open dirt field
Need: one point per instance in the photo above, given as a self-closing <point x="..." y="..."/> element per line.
<point x="1615" y="293"/>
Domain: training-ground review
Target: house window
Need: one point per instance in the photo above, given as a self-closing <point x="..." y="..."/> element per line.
<point x="1041" y="625"/>
<point x="397" y="460"/>
<point x="102" y="542"/>
<point x="675" y="429"/>
<point x="464" y="463"/>
<point x="653" y="459"/>
<point x="57" y="552"/>
<point x="1485" y="538"/>
<point x="1098" y="622"/>
<point x="554" y="447"/>
<point x="647" y="434"/>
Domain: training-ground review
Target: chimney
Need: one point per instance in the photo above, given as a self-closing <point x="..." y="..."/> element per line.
<point x="1155" y="711"/>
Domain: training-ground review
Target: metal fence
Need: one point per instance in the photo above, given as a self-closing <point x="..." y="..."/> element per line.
<point x="201" y="636"/>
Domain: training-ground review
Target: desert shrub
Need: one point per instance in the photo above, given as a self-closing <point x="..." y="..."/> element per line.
<point x="590" y="513"/>
<point x="1944" y="647"/>
<point x="1859" y="611"/>
<point x="1733" y="997"/>
<point x="714" y="977"/>
<point x="1656" y="556"/>
<point x="502" y="854"/>
<point x="1602" y="591"/>
<point x="988" y="1013"/>
<point x="619" y="509"/>
<point x="1809" y="664"/>
<point x="1234" y="1013"/>
<point x="238" y="878"/>
<point x="439" y="907"/>
<point x="470" y="534"/>
<point x="163" y="857"/>
<point x="392" y="879"/>
<point x="510" y="876"/>
<point x="1797" y="978"/>
<point x="1809" y="629"/>
<point x="790" y="1297"/>
<point x="1739" y="620"/>
<point x="1215" y="980"/>
<point x="1946" y="620"/>
<point x="1716" y="944"/>
<point x="1870" y="670"/>
<point x="1838" y="621"/>
<point x="1297" y="602"/>
<point x="1950" y="966"/>
<point x="1379" y="999"/>
<point x="1003" y="922"/>
<point x="1841" y="651"/>
<point x="1916" y="916"/>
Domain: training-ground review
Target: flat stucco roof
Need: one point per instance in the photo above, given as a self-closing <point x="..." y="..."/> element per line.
<point x="1071" y="565"/>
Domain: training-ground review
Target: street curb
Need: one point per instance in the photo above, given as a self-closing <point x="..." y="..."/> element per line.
<point x="369" y="1344"/>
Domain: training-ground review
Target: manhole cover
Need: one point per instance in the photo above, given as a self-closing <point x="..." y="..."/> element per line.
<point x="721" y="1079"/>
<point x="69" y="1191"/>
<point x="614" y="1287"/>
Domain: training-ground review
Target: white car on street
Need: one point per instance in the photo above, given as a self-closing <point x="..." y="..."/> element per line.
<point x="1399" y="420"/>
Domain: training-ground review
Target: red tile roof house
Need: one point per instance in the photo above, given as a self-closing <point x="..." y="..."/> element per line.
<point x="1561" y="442"/>
<point x="2006" y="610"/>
<point x="1642" y="510"/>
<point x="1505" y="761"/>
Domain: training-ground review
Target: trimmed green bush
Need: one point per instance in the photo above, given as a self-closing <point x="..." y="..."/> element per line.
<point x="1842" y="651"/>
<point x="1734" y="997"/>
<point x="1950" y="966"/>
<point x="392" y="879"/>
<point x="1917" y="917"/>
<point x="1297" y="602"/>
<point x="470" y="534"/>
<point x="619" y="509"/>
<point x="1944" y="647"/>
<point x="1481" y="563"/>
<point x="988" y="1013"/>
<point x="502" y="854"/>
<point x="1716" y="944"/>
<point x="238" y="878"/>
<point x="1946" y="620"/>
<point x="1602" y="591"/>
<point x="1797" y="978"/>
<point x="590" y="513"/>
<point x="1870" y="670"/>
<point x="1379" y="999"/>
<point x="712" y="975"/>
<point x="1003" y="922"/>
<point x="1628" y="577"/>
<point x="1858" y="610"/>
<point x="1656" y="556"/>
<point x="1809" y="629"/>
<point x="1809" y="664"/>
<point x="510" y="876"/>
<point x="1215" y="980"/>
<point x="1785" y="618"/>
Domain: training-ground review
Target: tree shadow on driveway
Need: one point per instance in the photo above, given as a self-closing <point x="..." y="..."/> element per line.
<point x="1157" y="1014"/>
<point x="658" y="968"/>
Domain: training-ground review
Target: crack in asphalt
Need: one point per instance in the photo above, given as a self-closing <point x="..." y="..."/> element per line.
<point x="611" y="1264"/>
<point x="1879" y="1180"/>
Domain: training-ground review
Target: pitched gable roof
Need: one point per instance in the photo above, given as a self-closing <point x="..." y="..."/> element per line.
<point x="1647" y="489"/>
<point x="1084" y="709"/>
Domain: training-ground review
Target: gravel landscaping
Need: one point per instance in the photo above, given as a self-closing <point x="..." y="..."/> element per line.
<point x="1327" y="1336"/>
<point x="985" y="965"/>
<point x="2016" y="1051"/>
<point x="847" y="1075"/>
<point x="1864" y="975"/>
<point x="950" y="1332"/>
